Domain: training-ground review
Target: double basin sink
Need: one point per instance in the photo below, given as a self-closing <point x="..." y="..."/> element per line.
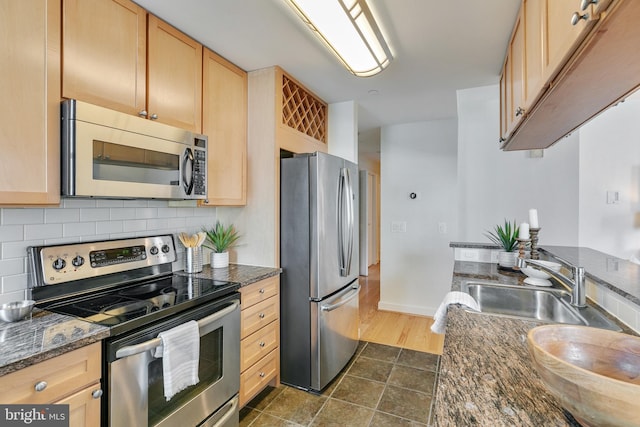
<point x="542" y="304"/>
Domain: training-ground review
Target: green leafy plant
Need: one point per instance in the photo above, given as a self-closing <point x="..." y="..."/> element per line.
<point x="220" y="238"/>
<point x="505" y="235"/>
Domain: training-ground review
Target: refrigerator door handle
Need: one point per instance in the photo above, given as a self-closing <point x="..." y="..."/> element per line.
<point x="346" y="222"/>
<point x="354" y="293"/>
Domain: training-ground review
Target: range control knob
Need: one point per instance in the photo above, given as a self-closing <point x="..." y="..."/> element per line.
<point x="59" y="264"/>
<point x="77" y="261"/>
<point x="154" y="250"/>
<point x="165" y="249"/>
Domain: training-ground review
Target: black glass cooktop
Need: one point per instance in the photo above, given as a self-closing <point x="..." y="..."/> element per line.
<point x="130" y="306"/>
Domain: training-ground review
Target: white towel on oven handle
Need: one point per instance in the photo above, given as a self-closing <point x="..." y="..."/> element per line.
<point x="180" y="352"/>
<point x="453" y="297"/>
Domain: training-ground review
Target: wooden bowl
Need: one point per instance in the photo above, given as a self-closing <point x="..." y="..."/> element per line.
<point x="594" y="373"/>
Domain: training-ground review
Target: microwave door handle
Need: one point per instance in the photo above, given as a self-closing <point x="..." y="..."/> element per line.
<point x="187" y="180"/>
<point x="203" y="324"/>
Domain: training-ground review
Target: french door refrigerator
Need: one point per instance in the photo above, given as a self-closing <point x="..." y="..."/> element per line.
<point x="319" y="258"/>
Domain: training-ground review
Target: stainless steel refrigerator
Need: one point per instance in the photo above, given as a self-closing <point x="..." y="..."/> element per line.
<point x="319" y="257"/>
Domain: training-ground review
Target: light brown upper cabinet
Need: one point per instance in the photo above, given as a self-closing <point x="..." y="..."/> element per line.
<point x="117" y="56"/>
<point x="516" y="75"/>
<point x="30" y="111"/>
<point x="224" y="121"/>
<point x="589" y="60"/>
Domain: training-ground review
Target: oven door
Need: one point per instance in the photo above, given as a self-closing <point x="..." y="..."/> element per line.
<point x="135" y="392"/>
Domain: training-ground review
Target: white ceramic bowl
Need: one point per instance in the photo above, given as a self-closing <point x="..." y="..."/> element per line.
<point x="537" y="274"/>
<point x="15" y="311"/>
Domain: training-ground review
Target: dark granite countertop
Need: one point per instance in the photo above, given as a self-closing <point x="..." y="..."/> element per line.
<point x="43" y="336"/>
<point x="46" y="335"/>
<point x="237" y="273"/>
<point x="486" y="377"/>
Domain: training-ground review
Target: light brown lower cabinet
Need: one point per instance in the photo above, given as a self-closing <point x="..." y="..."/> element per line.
<point x="72" y="378"/>
<point x="260" y="337"/>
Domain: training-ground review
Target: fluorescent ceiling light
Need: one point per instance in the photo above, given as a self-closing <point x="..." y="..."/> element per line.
<point x="349" y="30"/>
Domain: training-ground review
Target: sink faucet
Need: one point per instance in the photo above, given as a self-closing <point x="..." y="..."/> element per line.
<point x="576" y="284"/>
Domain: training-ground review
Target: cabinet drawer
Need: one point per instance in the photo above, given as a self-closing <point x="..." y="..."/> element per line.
<point x="63" y="375"/>
<point x="259" y="344"/>
<point x="256" y="378"/>
<point x="259" y="315"/>
<point x="259" y="291"/>
<point x="84" y="409"/>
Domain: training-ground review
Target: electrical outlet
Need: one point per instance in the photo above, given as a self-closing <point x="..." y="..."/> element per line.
<point x="442" y="227"/>
<point x="398" y="226"/>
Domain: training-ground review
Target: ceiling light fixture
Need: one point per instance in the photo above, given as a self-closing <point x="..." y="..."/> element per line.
<point x="349" y="30"/>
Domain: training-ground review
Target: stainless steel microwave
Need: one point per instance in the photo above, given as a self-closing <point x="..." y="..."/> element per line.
<point x="109" y="154"/>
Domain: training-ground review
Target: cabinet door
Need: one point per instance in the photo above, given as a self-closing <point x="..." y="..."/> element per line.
<point x="84" y="408"/>
<point x="224" y="121"/>
<point x="104" y="55"/>
<point x="562" y="36"/>
<point x="30" y="111"/>
<point x="174" y="77"/>
<point x="518" y="75"/>
<point x="533" y="41"/>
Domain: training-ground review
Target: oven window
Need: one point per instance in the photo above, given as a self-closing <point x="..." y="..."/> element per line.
<point x="209" y="372"/>
<point x="116" y="162"/>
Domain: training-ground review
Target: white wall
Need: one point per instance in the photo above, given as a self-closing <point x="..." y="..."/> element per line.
<point x="81" y="220"/>
<point x="415" y="271"/>
<point x="342" y="135"/>
<point x="610" y="161"/>
<point x="497" y="185"/>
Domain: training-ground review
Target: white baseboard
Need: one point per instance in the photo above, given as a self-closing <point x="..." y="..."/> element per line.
<point x="407" y="309"/>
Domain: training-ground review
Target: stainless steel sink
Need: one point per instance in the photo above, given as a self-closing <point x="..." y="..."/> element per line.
<point x="543" y="304"/>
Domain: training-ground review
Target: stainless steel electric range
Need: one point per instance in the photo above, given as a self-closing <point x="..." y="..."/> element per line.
<point x="128" y="285"/>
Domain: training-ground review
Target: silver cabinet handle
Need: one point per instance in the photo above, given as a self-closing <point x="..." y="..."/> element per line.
<point x="154" y="116"/>
<point x="261" y="291"/>
<point x="40" y="386"/>
<point x="262" y="344"/>
<point x="354" y="293"/>
<point x="262" y="374"/>
<point x="576" y="17"/>
<point x="519" y="111"/>
<point x="261" y="315"/>
<point x="143" y="113"/>
<point x="97" y="394"/>
<point x="584" y="4"/>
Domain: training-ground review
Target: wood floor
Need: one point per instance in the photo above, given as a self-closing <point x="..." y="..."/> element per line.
<point x="391" y="328"/>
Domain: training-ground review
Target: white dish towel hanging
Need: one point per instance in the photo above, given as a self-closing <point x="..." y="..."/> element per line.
<point x="453" y="297"/>
<point x="180" y="352"/>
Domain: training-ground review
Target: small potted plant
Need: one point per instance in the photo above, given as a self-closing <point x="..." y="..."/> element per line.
<point x="506" y="236"/>
<point x="219" y="239"/>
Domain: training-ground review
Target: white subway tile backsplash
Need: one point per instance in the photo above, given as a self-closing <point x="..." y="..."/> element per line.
<point x="108" y="203"/>
<point x="96" y="214"/>
<point x="11" y="266"/>
<point x="78" y="203"/>
<point x="61" y="215"/>
<point x="146" y="213"/>
<point x="124" y="213"/>
<point x="42" y="231"/>
<point x="108" y="227"/>
<point x="80" y="229"/>
<point x="22" y="216"/>
<point x="81" y="220"/>
<point x="11" y="233"/>
<point x="134" y="225"/>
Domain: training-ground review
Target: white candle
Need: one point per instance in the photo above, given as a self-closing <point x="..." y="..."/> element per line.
<point x="533" y="218"/>
<point x="524" y="231"/>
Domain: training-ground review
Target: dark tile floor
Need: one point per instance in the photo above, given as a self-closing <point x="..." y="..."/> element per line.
<point x="381" y="386"/>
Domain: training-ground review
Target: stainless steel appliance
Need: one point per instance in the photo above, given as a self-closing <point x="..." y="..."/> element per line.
<point x="128" y="285"/>
<point x="319" y="257"/>
<point x="110" y="154"/>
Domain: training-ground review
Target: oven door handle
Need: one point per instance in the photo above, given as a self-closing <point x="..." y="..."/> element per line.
<point x="204" y="325"/>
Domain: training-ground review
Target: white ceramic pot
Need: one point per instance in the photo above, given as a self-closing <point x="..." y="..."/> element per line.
<point x="507" y="259"/>
<point x="219" y="259"/>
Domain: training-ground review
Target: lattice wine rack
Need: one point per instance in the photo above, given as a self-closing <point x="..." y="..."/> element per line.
<point x="302" y="111"/>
